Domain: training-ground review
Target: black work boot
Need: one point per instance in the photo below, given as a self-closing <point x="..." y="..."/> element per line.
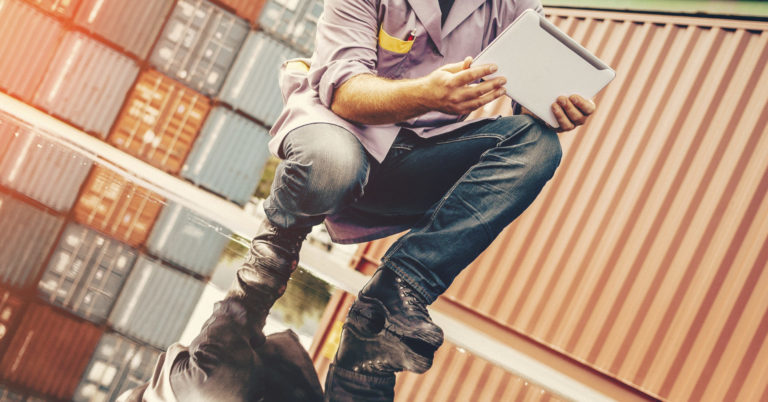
<point x="388" y="329"/>
<point x="261" y="280"/>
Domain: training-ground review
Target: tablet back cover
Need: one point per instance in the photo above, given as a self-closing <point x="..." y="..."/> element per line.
<point x="540" y="63"/>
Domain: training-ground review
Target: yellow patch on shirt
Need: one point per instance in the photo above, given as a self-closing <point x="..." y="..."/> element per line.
<point x="388" y="42"/>
<point x="297" y="65"/>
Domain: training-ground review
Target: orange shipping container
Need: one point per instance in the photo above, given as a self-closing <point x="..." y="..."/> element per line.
<point x="160" y="121"/>
<point x="248" y="9"/>
<point x="645" y="255"/>
<point x="120" y="208"/>
<point x="49" y="352"/>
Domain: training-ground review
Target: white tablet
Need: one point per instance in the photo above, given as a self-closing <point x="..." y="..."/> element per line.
<point x="540" y="63"/>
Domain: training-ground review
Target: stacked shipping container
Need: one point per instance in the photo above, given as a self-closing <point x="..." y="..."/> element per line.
<point x="160" y="121"/>
<point x="83" y="75"/>
<point x="32" y="38"/>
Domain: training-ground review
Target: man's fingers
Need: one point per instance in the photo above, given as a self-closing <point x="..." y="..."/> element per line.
<point x="477" y="102"/>
<point x="562" y="119"/>
<point x="473" y="74"/>
<point x="478" y="90"/>
<point x="458" y="66"/>
<point x="467" y="62"/>
<point x="573" y="113"/>
<point x="586" y="106"/>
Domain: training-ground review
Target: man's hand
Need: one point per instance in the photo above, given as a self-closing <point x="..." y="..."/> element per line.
<point x="572" y="111"/>
<point x="450" y="88"/>
<point x="367" y="99"/>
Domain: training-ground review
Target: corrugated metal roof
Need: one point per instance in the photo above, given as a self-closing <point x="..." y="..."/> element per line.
<point x="643" y="255"/>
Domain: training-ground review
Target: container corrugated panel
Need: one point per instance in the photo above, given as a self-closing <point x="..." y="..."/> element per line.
<point x="40" y="168"/>
<point x="28" y="41"/>
<point x="645" y="255"/>
<point x="229" y="156"/>
<point x="132" y="25"/>
<point x="65" y="8"/>
<point x="87" y="83"/>
<point x="160" y="121"/>
<point x="86" y="272"/>
<point x="118" y="207"/>
<point x="252" y="85"/>
<point x="27" y="234"/>
<point x="199" y="44"/>
<point x="294" y="21"/>
<point x="117" y="365"/>
<point x="10" y="313"/>
<point x="248" y="9"/>
<point x="155" y="303"/>
<point x="49" y="352"/>
<point x="182" y="237"/>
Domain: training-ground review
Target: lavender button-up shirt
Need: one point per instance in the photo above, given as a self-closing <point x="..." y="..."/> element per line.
<point x="396" y="39"/>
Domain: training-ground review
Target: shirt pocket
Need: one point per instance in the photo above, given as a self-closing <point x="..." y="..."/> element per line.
<point x="393" y="51"/>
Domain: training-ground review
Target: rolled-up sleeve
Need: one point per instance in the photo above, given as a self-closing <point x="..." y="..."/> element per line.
<point x="345" y="45"/>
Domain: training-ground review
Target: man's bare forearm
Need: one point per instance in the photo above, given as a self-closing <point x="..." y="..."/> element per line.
<point x="368" y="99"/>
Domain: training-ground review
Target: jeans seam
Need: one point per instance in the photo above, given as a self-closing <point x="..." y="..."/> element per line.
<point x="472" y="137"/>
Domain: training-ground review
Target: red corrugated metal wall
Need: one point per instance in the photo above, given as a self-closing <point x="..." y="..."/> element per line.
<point x="644" y="256"/>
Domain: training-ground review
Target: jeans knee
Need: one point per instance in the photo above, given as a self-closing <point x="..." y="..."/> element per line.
<point x="325" y="168"/>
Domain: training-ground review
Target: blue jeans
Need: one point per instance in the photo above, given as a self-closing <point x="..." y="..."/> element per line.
<point x="460" y="189"/>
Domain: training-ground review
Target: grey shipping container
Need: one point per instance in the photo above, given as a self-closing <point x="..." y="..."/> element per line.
<point x="28" y="40"/>
<point x="294" y="21"/>
<point x="27" y="235"/>
<point x="199" y="44"/>
<point x="87" y="83"/>
<point x="86" y="272"/>
<point x="117" y="365"/>
<point x="252" y="85"/>
<point x="185" y="238"/>
<point x="132" y="25"/>
<point x="228" y="156"/>
<point x="155" y="304"/>
<point x="39" y="167"/>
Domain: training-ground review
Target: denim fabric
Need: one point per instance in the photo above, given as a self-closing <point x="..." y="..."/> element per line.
<point x="459" y="189"/>
<point x="475" y="183"/>
<point x="324" y="169"/>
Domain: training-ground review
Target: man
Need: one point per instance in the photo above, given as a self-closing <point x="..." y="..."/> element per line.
<point x="373" y="142"/>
